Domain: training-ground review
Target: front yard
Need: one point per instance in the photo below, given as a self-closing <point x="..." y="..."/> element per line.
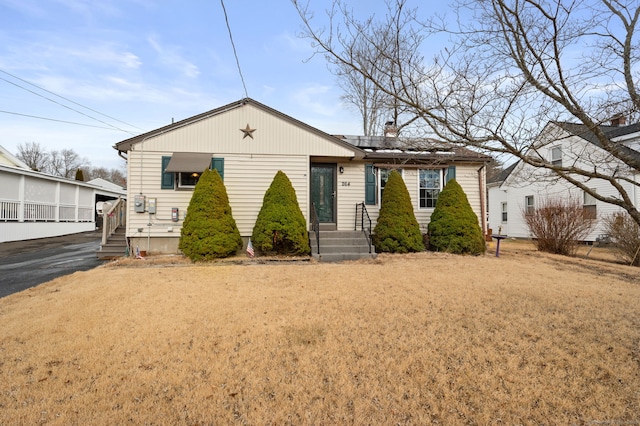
<point x="525" y="338"/>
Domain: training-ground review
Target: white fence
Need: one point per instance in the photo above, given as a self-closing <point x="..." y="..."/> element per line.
<point x="15" y="211"/>
<point x="9" y="210"/>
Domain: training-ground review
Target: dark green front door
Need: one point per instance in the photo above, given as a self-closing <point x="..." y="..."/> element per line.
<point x="323" y="191"/>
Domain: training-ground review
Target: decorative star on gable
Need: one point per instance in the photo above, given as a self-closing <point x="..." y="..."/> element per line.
<point x="248" y="131"/>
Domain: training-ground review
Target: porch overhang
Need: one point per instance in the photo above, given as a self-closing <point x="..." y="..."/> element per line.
<point x="189" y="162"/>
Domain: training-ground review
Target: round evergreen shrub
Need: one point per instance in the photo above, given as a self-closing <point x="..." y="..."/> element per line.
<point x="454" y="227"/>
<point x="280" y="227"/>
<point x="397" y="230"/>
<point x="209" y="230"/>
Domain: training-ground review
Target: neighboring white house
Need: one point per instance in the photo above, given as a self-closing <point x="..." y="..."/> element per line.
<point x="522" y="187"/>
<point x="37" y="205"/>
<point x="248" y="143"/>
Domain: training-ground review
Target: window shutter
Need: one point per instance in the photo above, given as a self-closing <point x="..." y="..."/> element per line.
<point x="218" y="164"/>
<point x="370" y="181"/>
<point x="167" y="181"/>
<point x="451" y="174"/>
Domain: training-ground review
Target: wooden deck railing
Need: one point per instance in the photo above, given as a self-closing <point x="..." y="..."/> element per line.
<point x="113" y="218"/>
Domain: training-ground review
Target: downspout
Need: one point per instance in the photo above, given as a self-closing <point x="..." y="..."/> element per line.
<point x="483" y="200"/>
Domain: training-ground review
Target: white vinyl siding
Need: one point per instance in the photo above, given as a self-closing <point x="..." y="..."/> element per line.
<point x="246" y="180"/>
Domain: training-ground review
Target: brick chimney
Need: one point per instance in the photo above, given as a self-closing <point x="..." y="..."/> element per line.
<point x="618" y="120"/>
<point x="390" y="129"/>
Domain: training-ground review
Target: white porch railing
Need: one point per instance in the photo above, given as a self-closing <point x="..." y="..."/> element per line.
<point x="39" y="212"/>
<point x="112" y="219"/>
<point x="67" y="213"/>
<point x="85" y="214"/>
<point x="9" y="210"/>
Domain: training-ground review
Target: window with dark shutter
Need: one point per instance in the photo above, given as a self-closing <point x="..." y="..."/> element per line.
<point x="451" y="174"/>
<point x="218" y="164"/>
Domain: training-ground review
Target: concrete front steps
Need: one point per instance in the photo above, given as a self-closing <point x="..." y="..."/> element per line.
<point x="115" y="247"/>
<point x="336" y="246"/>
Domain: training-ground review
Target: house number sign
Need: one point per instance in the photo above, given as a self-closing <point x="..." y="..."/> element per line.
<point x="346" y="183"/>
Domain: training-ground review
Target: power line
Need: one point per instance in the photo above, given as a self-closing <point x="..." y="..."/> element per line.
<point x="235" y="53"/>
<point x="69" y="100"/>
<point x="65" y="106"/>
<point x="63" y="121"/>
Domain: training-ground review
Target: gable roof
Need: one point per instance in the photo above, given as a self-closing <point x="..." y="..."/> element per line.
<point x="126" y="144"/>
<point x="503" y="175"/>
<point x="11" y="159"/>
<point x="611" y="132"/>
<point x="103" y="183"/>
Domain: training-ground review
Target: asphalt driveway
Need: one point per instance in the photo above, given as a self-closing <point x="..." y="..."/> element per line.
<point x="25" y="264"/>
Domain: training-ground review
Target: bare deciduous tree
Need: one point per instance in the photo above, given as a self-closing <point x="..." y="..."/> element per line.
<point x="510" y="67"/>
<point x="33" y="155"/>
<point x="65" y="162"/>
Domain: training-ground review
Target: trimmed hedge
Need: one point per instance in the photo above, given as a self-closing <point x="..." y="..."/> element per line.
<point x="454" y="227"/>
<point x="280" y="227"/>
<point x="209" y="230"/>
<point x="397" y="230"/>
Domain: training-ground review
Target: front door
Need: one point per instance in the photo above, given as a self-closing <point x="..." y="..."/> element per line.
<point x="323" y="191"/>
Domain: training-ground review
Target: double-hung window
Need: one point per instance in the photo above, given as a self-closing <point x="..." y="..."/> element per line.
<point x="556" y="156"/>
<point x="430" y="186"/>
<point x="528" y="204"/>
<point x="589" y="206"/>
<point x="504" y="212"/>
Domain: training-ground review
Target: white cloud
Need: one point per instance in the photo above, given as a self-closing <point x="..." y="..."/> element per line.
<point x="312" y="98"/>
<point x="170" y="56"/>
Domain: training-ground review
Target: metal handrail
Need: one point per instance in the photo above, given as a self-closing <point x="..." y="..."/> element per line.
<point x="315" y="224"/>
<point x="365" y="222"/>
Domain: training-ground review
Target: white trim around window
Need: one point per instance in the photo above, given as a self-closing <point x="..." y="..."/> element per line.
<point x="429" y="187"/>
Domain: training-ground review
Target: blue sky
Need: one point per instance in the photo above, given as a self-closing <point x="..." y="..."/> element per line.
<point x="146" y="62"/>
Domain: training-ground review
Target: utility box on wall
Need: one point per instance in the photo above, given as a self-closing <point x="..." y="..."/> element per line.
<point x="138" y="203"/>
<point x="151" y="205"/>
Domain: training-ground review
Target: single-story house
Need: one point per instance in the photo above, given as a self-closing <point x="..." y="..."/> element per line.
<point x="248" y="143"/>
<point x="37" y="205"/>
<point x="521" y="187"/>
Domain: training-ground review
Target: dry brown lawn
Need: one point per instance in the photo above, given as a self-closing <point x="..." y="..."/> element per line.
<point x="525" y="338"/>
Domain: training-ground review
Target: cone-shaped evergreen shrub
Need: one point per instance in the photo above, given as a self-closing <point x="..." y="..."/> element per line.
<point x="280" y="226"/>
<point x="397" y="230"/>
<point x="454" y="227"/>
<point x="209" y="230"/>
